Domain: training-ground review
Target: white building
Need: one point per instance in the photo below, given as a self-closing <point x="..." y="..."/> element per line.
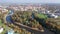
<point x="55" y="16"/>
<point x="4" y="10"/>
<point x="1" y="30"/>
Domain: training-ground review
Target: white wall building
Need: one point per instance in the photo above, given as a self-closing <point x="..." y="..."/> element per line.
<point x="1" y="30"/>
<point x="55" y="16"/>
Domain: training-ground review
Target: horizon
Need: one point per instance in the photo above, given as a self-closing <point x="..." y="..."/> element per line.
<point x="29" y="1"/>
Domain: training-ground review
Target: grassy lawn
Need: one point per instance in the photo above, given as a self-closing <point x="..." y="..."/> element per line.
<point x="59" y="17"/>
<point x="0" y="22"/>
<point x="42" y="16"/>
<point x="4" y="26"/>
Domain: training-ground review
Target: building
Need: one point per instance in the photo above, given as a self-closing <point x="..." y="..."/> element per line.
<point x="4" y="10"/>
<point x="52" y="16"/>
<point x="10" y="31"/>
<point x="55" y="16"/>
<point x="1" y="30"/>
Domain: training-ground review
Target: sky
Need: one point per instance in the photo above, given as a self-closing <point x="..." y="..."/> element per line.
<point x="29" y="1"/>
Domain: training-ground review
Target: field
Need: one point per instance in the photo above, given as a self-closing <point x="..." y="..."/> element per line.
<point x="41" y="16"/>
